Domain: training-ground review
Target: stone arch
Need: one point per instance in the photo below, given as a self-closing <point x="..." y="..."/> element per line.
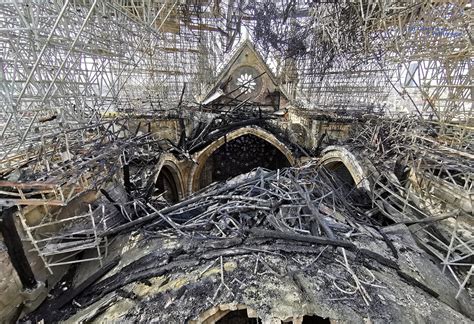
<point x="202" y="156"/>
<point x="334" y="156"/>
<point x="168" y="169"/>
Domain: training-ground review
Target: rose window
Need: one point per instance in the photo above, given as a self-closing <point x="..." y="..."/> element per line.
<point x="246" y="83"/>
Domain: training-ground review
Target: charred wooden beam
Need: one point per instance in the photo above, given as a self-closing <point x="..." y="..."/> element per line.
<point x="71" y="294"/>
<point x="262" y="233"/>
<point x="126" y="179"/>
<point x="414" y="282"/>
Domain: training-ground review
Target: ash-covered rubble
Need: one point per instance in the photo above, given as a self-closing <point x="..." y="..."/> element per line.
<point x="281" y="244"/>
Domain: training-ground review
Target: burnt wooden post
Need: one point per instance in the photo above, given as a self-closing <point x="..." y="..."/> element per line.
<point x="15" y="249"/>
<point x="126" y="179"/>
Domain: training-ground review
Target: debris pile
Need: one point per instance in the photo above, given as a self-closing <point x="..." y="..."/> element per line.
<point x="252" y="241"/>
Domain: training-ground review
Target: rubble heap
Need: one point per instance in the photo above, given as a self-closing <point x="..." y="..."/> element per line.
<point x="285" y="244"/>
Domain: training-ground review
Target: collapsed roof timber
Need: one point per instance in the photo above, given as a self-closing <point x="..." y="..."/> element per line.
<point x="236" y="161"/>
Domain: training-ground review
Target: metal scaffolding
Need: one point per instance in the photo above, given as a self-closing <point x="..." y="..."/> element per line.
<point x="74" y="73"/>
<point x="67" y="64"/>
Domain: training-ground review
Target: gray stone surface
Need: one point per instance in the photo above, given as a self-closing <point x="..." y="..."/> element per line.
<point x="277" y="284"/>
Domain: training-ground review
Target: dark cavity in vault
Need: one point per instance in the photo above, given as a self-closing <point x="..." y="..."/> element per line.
<point x="166" y="185"/>
<point x="341" y="174"/>
<point x="342" y="179"/>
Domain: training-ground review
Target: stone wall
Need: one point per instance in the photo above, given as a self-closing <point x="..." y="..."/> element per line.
<point x="305" y="130"/>
<point x="10" y="286"/>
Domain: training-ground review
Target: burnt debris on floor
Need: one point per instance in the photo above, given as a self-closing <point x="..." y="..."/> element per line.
<point x="286" y="243"/>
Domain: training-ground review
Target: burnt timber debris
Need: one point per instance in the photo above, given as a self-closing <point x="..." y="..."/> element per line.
<point x="292" y="213"/>
<point x="216" y="161"/>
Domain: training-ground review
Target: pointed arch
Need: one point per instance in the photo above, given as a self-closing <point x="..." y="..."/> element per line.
<point x="338" y="157"/>
<point x="202" y="156"/>
<point x="169" y="176"/>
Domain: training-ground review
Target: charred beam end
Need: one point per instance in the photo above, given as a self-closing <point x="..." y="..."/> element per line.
<point x="412" y="281"/>
<point x="380" y="259"/>
<point x="389" y="243"/>
<point x="15" y="249"/>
